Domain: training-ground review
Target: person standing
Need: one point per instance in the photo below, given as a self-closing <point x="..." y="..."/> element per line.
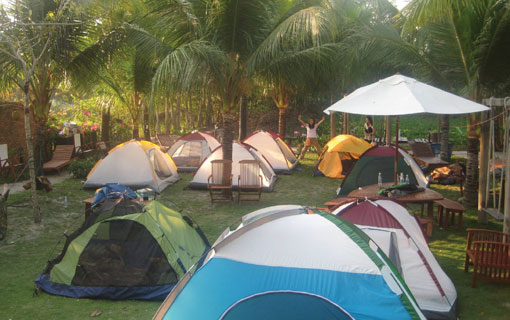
<point x="311" y="135"/>
<point x="369" y="129"/>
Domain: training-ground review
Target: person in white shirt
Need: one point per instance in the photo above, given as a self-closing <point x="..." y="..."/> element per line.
<point x="311" y="136"/>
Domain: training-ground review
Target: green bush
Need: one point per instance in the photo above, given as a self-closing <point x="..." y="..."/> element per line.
<point x="81" y="168"/>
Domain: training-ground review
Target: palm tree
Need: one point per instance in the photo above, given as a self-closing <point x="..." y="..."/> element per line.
<point x="460" y="46"/>
<point x="36" y="43"/>
<point x="233" y="41"/>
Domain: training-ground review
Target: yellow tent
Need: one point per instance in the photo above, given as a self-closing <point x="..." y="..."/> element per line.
<point x="342" y="148"/>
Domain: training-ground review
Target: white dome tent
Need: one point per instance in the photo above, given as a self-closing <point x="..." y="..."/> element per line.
<point x="136" y="164"/>
<point x="240" y="152"/>
<point x="386" y="221"/>
<point x="189" y="151"/>
<point x="274" y="149"/>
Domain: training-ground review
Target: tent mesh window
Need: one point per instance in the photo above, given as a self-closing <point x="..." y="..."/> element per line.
<point x="188" y="154"/>
<point x="123" y="253"/>
<point x="109" y="208"/>
<point x="159" y="164"/>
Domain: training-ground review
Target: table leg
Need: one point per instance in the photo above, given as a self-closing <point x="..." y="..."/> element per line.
<point x="460" y="221"/>
<point x="430" y="209"/>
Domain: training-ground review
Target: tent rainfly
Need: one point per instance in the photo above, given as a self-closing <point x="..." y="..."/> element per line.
<point x="123" y="251"/>
<point x="385" y="222"/>
<point x="136" y="164"/>
<point x="240" y="152"/>
<point x="274" y="149"/>
<point x="381" y="159"/>
<point x="189" y="151"/>
<point x="339" y="155"/>
<point x="291" y="262"/>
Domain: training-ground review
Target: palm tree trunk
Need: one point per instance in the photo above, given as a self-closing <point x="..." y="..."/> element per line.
<point x="445" y="137"/>
<point x="229" y="120"/>
<point x="145" y="123"/>
<point x="209" y="111"/>
<point x="105" y="124"/>
<point x="243" y="119"/>
<point x="177" y="114"/>
<point x="30" y="149"/>
<point x="282" y="121"/>
<point x="483" y="168"/>
<point x="471" y="188"/>
<point x="167" y="119"/>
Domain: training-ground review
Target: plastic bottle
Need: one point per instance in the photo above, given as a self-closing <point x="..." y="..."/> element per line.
<point x="401" y="178"/>
<point x="379" y="180"/>
<point x="65" y="202"/>
<point x="407" y="179"/>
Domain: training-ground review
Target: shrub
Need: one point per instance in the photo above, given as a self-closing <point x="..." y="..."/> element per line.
<point x="81" y="168"/>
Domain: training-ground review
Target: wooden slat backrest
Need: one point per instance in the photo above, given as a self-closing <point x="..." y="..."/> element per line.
<point x="249" y="173"/>
<point x="421" y="149"/>
<point x="218" y="167"/>
<point x="63" y="152"/>
<point x="485" y="235"/>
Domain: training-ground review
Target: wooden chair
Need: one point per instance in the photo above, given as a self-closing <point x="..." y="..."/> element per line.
<point x="6" y="165"/>
<point x="423" y="154"/>
<point x="220" y="188"/>
<point x="449" y="208"/>
<point x="62" y="156"/>
<point x="489" y="253"/>
<point x="165" y="141"/>
<point x="249" y="181"/>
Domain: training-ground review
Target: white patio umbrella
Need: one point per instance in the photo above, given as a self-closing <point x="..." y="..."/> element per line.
<point x="399" y="95"/>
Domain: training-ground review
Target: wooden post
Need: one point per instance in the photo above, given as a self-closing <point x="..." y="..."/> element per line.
<point x="483" y="168"/>
<point x="388" y="130"/>
<point x="346" y="124"/>
<point x="3" y="212"/>
<point x="332" y="122"/>
<point x="506" y="222"/>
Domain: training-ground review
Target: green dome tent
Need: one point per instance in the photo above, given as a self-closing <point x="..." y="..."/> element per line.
<point x="124" y="251"/>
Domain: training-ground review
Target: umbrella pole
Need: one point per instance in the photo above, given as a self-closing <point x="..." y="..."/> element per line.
<point x="396" y="153"/>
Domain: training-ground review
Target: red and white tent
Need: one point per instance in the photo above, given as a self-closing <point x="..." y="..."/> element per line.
<point x="240" y="152"/>
<point x="274" y="149"/>
<point x="399" y="235"/>
<point x="190" y="150"/>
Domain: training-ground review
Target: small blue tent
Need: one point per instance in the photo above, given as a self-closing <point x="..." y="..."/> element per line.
<point x="289" y="262"/>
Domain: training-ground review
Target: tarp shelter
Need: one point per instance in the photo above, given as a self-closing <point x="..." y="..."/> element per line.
<point x="291" y="262"/>
<point x="381" y="159"/>
<point x="240" y="152"/>
<point x="136" y="164"/>
<point x="278" y="153"/>
<point x="124" y="251"/>
<point x="339" y="155"/>
<point x="382" y="219"/>
<point x="190" y="150"/>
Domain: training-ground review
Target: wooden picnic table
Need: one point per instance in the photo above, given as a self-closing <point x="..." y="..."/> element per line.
<point x="427" y="196"/>
<point x="88" y="205"/>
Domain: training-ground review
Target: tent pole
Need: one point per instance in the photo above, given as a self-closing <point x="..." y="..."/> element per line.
<point x="396" y="152"/>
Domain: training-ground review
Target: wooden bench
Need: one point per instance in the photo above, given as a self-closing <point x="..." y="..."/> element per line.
<point x="489" y="253"/>
<point x="448" y="208"/>
<point x="62" y="156"/>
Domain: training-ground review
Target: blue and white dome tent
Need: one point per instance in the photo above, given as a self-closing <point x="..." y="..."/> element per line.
<point x="291" y="262"/>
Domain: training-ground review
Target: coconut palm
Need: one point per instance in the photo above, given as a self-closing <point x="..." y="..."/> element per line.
<point x="460" y="46"/>
<point x="37" y="39"/>
<point x="232" y="42"/>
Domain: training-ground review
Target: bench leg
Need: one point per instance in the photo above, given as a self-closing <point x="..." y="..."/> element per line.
<point x="445" y="218"/>
<point x="430" y="210"/>
<point x="460" y="221"/>
<point x="439" y="215"/>
<point x="466" y="264"/>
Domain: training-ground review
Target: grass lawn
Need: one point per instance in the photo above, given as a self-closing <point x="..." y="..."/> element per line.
<point x="24" y="253"/>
